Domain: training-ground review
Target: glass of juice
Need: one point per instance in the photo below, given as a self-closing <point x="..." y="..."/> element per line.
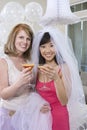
<point x="27" y="65"/>
<point x="30" y="66"/>
<point x="44" y="76"/>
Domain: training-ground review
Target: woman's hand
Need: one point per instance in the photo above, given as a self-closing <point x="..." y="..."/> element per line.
<point x="51" y="72"/>
<point x="25" y="77"/>
<point x="45" y="108"/>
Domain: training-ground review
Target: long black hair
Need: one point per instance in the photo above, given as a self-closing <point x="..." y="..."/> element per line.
<point x="45" y="39"/>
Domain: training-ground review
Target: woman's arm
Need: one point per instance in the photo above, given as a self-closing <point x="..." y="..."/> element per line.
<point x="8" y="91"/>
<point x="61" y="84"/>
<point x="54" y="73"/>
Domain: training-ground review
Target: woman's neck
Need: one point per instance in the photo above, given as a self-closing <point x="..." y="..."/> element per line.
<point x="18" y="58"/>
<point x="52" y="63"/>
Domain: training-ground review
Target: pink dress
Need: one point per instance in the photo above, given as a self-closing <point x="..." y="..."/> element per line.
<point x="59" y="113"/>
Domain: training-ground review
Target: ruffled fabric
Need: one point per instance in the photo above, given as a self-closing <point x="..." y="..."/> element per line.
<point x="29" y="117"/>
<point x="78" y="117"/>
<point x="5" y="120"/>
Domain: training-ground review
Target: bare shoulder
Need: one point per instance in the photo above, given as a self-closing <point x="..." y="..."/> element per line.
<point x="3" y="64"/>
<point x="3" y="61"/>
<point x="3" y="74"/>
<point x="66" y="69"/>
<point x="65" y="66"/>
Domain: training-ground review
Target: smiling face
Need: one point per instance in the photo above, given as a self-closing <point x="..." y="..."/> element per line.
<point x="47" y="51"/>
<point x="22" y="42"/>
<point x="19" y="41"/>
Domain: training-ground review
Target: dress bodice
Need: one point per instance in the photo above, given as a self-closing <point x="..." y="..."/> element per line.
<point x="21" y="95"/>
<point x="47" y="91"/>
<point x="13" y="75"/>
<point x="13" y="72"/>
<point x="59" y="112"/>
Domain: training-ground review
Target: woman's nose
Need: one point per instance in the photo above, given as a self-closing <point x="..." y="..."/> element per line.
<point x="47" y="49"/>
<point x="25" y="40"/>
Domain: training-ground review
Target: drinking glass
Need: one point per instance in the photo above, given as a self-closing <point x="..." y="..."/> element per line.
<point x="44" y="87"/>
<point x="30" y="66"/>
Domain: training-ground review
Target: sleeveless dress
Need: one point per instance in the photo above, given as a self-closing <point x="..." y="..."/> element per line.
<point x="26" y="106"/>
<point x="59" y="112"/>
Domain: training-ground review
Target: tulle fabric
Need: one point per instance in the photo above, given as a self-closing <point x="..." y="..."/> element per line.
<point x="78" y="117"/>
<point x="27" y="107"/>
<point x="64" y="55"/>
<point x="5" y="120"/>
<point x="73" y="85"/>
<point x="29" y="116"/>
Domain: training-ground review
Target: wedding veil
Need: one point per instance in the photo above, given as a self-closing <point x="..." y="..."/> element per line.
<point x="64" y="55"/>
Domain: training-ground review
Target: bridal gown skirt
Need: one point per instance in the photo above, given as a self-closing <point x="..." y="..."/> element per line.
<point x="5" y="120"/>
<point x="29" y="116"/>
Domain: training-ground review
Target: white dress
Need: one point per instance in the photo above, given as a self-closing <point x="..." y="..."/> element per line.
<point x="27" y="106"/>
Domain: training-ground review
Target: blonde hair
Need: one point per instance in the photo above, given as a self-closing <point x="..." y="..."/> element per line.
<point x="9" y="47"/>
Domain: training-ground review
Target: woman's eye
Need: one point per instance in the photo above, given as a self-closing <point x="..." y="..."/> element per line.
<point x="29" y="39"/>
<point x="52" y="45"/>
<point x="42" y="46"/>
<point x="21" y="37"/>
